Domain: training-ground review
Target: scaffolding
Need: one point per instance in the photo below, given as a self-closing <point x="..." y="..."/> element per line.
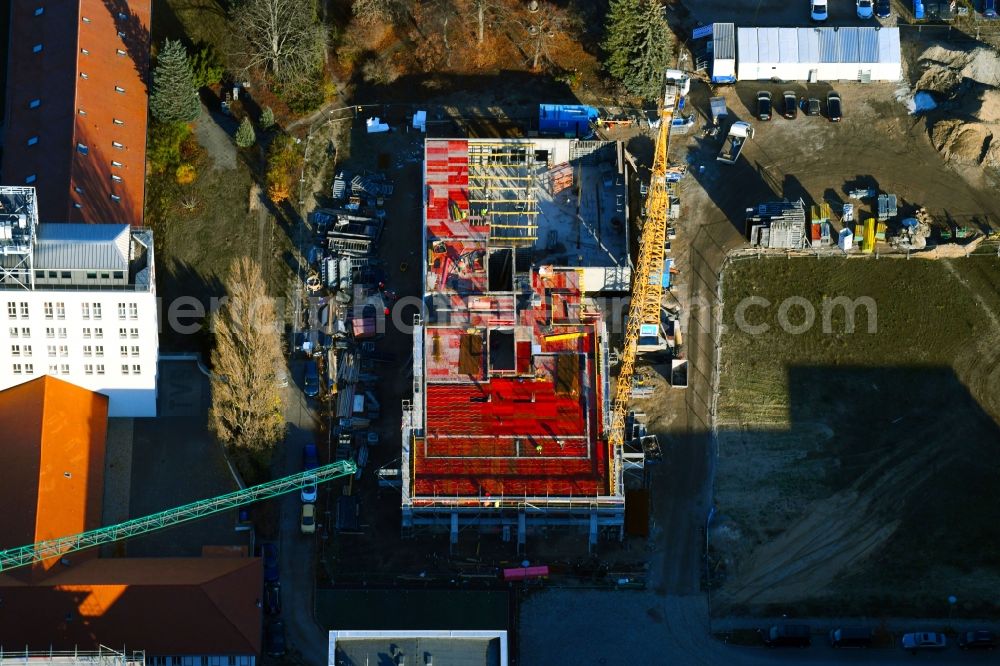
<point x="502" y="190"/>
<point x="102" y="656"/>
<point x="18" y="226"/>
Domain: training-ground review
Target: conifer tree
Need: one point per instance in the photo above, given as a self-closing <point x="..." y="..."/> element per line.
<point x="245" y="136"/>
<point x="175" y="96"/>
<point x="638" y="45"/>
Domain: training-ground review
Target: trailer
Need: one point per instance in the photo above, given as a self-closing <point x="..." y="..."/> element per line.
<point x="739" y="133"/>
<point x="717" y="107"/>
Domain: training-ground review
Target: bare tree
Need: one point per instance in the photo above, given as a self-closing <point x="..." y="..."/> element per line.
<point x="377" y="11"/>
<point x="536" y="27"/>
<point x="281" y="37"/>
<point x="247" y="410"/>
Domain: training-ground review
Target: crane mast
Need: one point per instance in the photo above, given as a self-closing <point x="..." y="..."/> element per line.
<point x="647" y="280"/>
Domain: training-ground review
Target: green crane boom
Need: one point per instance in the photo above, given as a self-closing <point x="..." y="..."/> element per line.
<point x="43" y="550"/>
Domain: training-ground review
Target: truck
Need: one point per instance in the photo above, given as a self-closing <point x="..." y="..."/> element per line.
<point x="739" y="133"/>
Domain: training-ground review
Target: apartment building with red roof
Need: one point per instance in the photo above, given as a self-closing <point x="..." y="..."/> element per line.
<point x="77" y="97"/>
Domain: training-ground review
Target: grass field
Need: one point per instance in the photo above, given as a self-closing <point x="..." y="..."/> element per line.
<point x="855" y="471"/>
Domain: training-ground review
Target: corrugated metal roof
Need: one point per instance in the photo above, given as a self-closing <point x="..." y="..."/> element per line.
<point x="808" y="44"/>
<point x="848" y="45"/>
<point x="723" y="41"/>
<point x="829" y="50"/>
<point x="888" y="45"/>
<point x="82" y="246"/>
<point x="788" y="45"/>
<point x="868" y="44"/>
<point x="767" y="45"/>
<point x="746" y="39"/>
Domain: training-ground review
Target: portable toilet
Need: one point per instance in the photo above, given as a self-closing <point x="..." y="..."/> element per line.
<point x="846" y="239"/>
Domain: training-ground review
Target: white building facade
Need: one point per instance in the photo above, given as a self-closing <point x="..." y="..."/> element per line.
<point x="78" y="301"/>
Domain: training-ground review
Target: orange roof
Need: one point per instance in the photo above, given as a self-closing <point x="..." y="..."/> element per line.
<point x="53" y="440"/>
<point x="66" y="93"/>
<point x="161" y="605"/>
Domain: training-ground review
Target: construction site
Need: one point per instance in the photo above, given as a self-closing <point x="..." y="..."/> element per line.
<point x="513" y="425"/>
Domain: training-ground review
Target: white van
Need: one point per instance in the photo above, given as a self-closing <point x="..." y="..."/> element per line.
<point x="817" y="10"/>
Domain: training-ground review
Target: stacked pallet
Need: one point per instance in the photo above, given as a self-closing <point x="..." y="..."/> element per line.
<point x="560" y="178"/>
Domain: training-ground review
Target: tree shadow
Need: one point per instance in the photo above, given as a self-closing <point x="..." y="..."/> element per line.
<point x="133" y="29"/>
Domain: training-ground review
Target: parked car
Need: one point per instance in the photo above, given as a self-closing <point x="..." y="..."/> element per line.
<point x="990" y="9"/>
<point x="851" y="637"/>
<point x="833" y="107"/>
<point x="924" y="640"/>
<point x="310" y="382"/>
<point x="791" y="104"/>
<point x="763" y="105"/>
<point x="977" y="640"/>
<point x="274" y="638"/>
<point x="810" y="107"/>
<point x="269" y="553"/>
<point x="308" y="493"/>
<point x="865" y="8"/>
<point x="787" y="635"/>
<point x="310" y="457"/>
<point x="883" y="8"/>
<point x="308" y="521"/>
<point x="272" y="598"/>
<point x="817" y="10"/>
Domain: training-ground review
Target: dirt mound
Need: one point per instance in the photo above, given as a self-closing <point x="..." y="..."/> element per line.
<point x="979" y="64"/>
<point x="989" y="106"/>
<point x="961" y="141"/>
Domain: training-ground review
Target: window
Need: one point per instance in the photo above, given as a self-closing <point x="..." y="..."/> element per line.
<point x="85" y="310"/>
<point x="120" y="52"/>
<point x="92" y="276"/>
<point x="119" y="275"/>
<point x="17" y="368"/>
<point x="88" y="369"/>
<point x="77" y="204"/>
<point x="62" y="333"/>
<point x="116" y="178"/>
<point x="13" y="331"/>
<point x="32" y="140"/>
<point x="118" y="145"/>
<point x="99" y="351"/>
<point x="133" y="332"/>
<point x="86" y="334"/>
<point x="86" y="20"/>
<point x="29" y="179"/>
<point x="81" y="112"/>
<point x="37" y="48"/>
<point x="50" y="332"/>
<point x="64" y="350"/>
<point x="121" y="310"/>
<point x="124" y="351"/>
<point x="105" y="276"/>
<point x="78" y="189"/>
<point x="121" y="333"/>
<point x="82" y="148"/>
<point x="65" y="275"/>
<point x="84" y="75"/>
<point x="97" y="310"/>
<point x="115" y="198"/>
<point x="88" y="350"/>
<point x="35" y="103"/>
<point x="27" y="350"/>
<point x="39" y="11"/>
<point x="47" y="309"/>
<point x="25" y="332"/>
<point x="124" y="368"/>
<point x="84" y="51"/>
<point x="60" y="310"/>
<point x="119" y="89"/>
<point x="53" y="275"/>
<point x="100" y="368"/>
<point x="11" y="310"/>
<point x="121" y="33"/>
<point x="39" y="275"/>
<point x="116" y="163"/>
<point x="136" y="369"/>
<point x="15" y="350"/>
<point x="117" y="121"/>
<point x="24" y="309"/>
<point x="53" y="369"/>
<point x="133" y="310"/>
<point x="64" y="368"/>
<point x="99" y="333"/>
<point x="122" y="15"/>
<point x="29" y="368"/>
<point x="134" y="349"/>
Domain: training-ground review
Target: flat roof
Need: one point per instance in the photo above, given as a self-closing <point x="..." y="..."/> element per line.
<point x="80" y="246"/>
<point x="419" y="648"/>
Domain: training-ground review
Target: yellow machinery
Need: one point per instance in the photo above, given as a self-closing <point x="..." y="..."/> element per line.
<point x="647" y="281"/>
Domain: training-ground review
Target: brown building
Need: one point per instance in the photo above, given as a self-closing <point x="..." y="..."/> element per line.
<point x="77" y="94"/>
<point x="194" y="610"/>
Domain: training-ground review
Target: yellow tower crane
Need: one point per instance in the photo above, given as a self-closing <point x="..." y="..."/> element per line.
<point x="647" y="281"/>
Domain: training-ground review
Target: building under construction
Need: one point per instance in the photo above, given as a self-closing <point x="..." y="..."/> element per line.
<point x="505" y="431"/>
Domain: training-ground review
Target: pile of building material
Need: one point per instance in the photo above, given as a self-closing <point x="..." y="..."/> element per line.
<point x="779" y="224"/>
<point x="914" y="232"/>
<point x="372" y="184"/>
<point x="560" y="178"/>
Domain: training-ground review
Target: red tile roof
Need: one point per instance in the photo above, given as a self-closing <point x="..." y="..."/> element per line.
<point x="106" y="41"/>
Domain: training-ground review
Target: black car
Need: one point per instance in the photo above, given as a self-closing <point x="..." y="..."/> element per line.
<point x="269" y="551"/>
<point x="787" y="635"/>
<point x="272" y="598"/>
<point x="977" y="640"/>
<point x="833" y="107"/>
<point x="791" y="105"/>
<point x="274" y="639"/>
<point x="764" y="105"/>
<point x="882" y="8"/>
<point x="810" y="106"/>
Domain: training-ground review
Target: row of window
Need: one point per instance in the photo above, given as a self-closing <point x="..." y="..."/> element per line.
<point x="63" y="369"/>
<point x="215" y="660"/>
<point x="66" y="275"/>
<point x="96" y="333"/>
<point x="18" y="350"/>
<point x="58" y="309"/>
